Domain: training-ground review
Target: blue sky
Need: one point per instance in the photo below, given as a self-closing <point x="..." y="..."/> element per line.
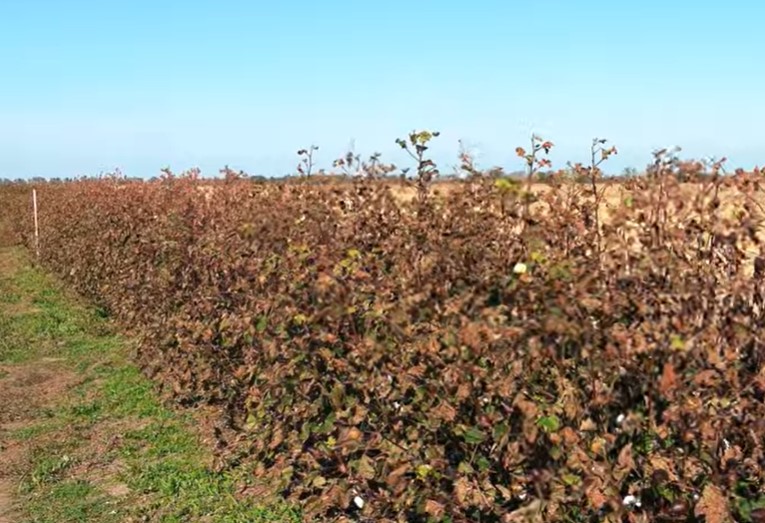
<point x="89" y="86"/>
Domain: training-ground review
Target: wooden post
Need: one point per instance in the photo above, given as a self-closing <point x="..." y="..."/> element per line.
<point x="37" y="226"/>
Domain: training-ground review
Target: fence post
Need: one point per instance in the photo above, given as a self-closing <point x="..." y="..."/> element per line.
<point x="37" y="226"/>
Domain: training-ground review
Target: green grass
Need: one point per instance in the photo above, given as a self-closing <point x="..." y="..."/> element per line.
<point x="74" y="501"/>
<point x="109" y="419"/>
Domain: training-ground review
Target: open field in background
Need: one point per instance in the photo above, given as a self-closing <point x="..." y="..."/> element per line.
<point x="374" y="356"/>
<point x="615" y="192"/>
<point x="614" y="195"/>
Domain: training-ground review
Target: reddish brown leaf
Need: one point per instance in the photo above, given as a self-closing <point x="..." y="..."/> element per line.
<point x="668" y="381"/>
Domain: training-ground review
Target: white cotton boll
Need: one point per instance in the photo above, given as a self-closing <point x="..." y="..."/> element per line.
<point x="620" y="419"/>
<point x="631" y="501"/>
<point x="358" y="502"/>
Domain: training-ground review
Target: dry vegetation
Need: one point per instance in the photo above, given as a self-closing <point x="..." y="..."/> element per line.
<point x="591" y="352"/>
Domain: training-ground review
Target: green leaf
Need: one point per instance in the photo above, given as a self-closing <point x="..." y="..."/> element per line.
<point x="505" y="184"/>
<point x="465" y="468"/>
<point x="327" y="425"/>
<point x="666" y="492"/>
<point x="537" y="257"/>
<point x="746" y="506"/>
<point x="337" y="395"/>
<point x="473" y="436"/>
<point x="571" y="480"/>
<point x="423" y="137"/>
<point x="676" y="342"/>
<point x="262" y="324"/>
<point x="560" y="271"/>
<point x="423" y="471"/>
<point x="365" y="467"/>
<point x="549" y="424"/>
<point x="500" y="430"/>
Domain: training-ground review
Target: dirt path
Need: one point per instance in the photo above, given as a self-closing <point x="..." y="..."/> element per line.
<point x="25" y="390"/>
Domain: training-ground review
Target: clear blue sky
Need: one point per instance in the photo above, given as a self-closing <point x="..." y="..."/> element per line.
<point x="87" y="86"/>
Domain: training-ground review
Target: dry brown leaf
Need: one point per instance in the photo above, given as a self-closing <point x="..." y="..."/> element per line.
<point x="625" y="463"/>
<point x="434" y="508"/>
<point x="596" y="497"/>
<point x="569" y="435"/>
<point x="396" y="476"/>
<point x="661" y="463"/>
<point x="531" y="513"/>
<point x="462" y="490"/>
<point x="706" y="378"/>
<point x="528" y="408"/>
<point x="445" y="412"/>
<point x="598" y="446"/>
<point x="731" y="457"/>
<point x="463" y="391"/>
<point x="277" y="438"/>
<point x="713" y="505"/>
